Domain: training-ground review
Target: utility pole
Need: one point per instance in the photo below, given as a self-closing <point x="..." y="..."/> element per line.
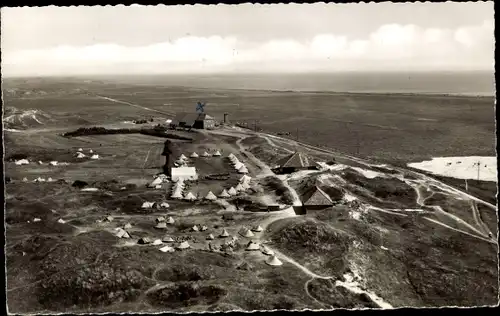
<point x="297" y="134"/>
<point x="478" y="164"/>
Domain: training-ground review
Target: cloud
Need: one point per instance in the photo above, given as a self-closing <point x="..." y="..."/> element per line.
<point x="391" y="45"/>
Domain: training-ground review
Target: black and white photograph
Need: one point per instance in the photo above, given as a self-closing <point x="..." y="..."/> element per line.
<point x="249" y="157"/>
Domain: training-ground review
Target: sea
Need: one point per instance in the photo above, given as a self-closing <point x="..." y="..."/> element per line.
<point x="478" y="83"/>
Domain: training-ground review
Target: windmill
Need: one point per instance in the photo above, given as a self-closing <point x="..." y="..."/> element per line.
<point x="200" y="107"/>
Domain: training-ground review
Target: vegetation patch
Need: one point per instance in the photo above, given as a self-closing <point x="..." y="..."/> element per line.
<point x="186" y="294"/>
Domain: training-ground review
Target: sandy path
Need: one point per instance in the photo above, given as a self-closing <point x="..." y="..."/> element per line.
<point x="460" y="231"/>
<point x="134" y="105"/>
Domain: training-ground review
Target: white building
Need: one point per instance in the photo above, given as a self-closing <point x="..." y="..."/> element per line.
<point x="184" y="173"/>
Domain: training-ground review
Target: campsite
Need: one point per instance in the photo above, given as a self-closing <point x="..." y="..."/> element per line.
<point x="153" y="219"/>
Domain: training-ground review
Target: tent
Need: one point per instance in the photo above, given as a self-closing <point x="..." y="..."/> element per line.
<point x="127" y="226"/>
<point x="40" y="162"/>
<point x="122" y="234"/>
<point x="217" y="154"/>
<point x="170" y="220"/>
<point x="53" y="163"/>
<point x="147" y="204"/>
<point x="243" y="169"/>
<point x="109" y="218"/>
<point x="238" y="165"/>
<point x="205" y="154"/>
<point x="160" y="219"/>
<point x="157" y="242"/>
<point x="158" y="186"/>
<point x="239" y="188"/>
<point x="177" y="194"/>
<point x="184" y="173"/>
<point x="245" y="179"/>
<point x="36" y="219"/>
<point x="274" y="261"/>
<point x="161" y="225"/>
<point x="232" y="191"/>
<point x="156" y="182"/>
<point x="22" y="162"/>
<point x="182" y="157"/>
<point x="167" y="239"/>
<point x="190" y="196"/>
<point x="164" y="205"/>
<point x="80" y="149"/>
<point x="231" y="155"/>
<point x="210" y="196"/>
<point x="80" y="155"/>
<point x="224" y="233"/>
<point x="61" y="221"/>
<point x="247" y="233"/>
<point x="50" y="180"/>
<point x="144" y="241"/>
<point x="258" y="229"/>
<point x="267" y="251"/>
<point x="96" y="156"/>
<point x="210" y="237"/>
<point x="167" y="249"/>
<point x="203" y="228"/>
<point x="91" y="151"/>
<point x="184" y="245"/>
<point x="224" y="194"/>
<point x="252" y="246"/>
<point x="25" y="179"/>
<point x="195" y="228"/>
<point x="194" y="155"/>
<point x="245" y="186"/>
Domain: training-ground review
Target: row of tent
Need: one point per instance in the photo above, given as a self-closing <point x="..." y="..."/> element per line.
<point x="39" y="179"/>
<point x="205" y="154"/>
<point x="238" y="165"/>
<point x="81" y="155"/>
<point x="52" y="163"/>
<point x="155" y="205"/>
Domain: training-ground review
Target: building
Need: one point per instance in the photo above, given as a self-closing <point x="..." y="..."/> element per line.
<point x="193" y="120"/>
<point x="314" y="199"/>
<point x="184" y="173"/>
<point x="295" y="162"/>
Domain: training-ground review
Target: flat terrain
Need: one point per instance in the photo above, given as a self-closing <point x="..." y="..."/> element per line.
<point x="393" y="238"/>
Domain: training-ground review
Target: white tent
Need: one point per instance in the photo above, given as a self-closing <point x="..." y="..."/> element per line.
<point x="22" y="162"/>
<point x="96" y="156"/>
<point x="239" y="188"/>
<point x="224" y="194"/>
<point x="61" y="221"/>
<point x="156" y="182"/>
<point x="274" y="261"/>
<point x="122" y="234"/>
<point x="232" y="191"/>
<point x="164" y="205"/>
<point x="267" y="251"/>
<point x="245" y="179"/>
<point x="167" y="249"/>
<point x="80" y="155"/>
<point x="91" y="151"/>
<point x="161" y="225"/>
<point x="53" y="163"/>
<point x="217" y="153"/>
<point x="127" y="226"/>
<point x="158" y="186"/>
<point x="170" y="220"/>
<point x="184" y="245"/>
<point x="167" y="239"/>
<point x="50" y="180"/>
<point x="210" y="237"/>
<point x="238" y="165"/>
<point x="184" y="173"/>
<point x="25" y="179"/>
<point x="147" y="204"/>
<point x="224" y="233"/>
<point x="210" y="196"/>
<point x="203" y="228"/>
<point x="247" y="233"/>
<point x="157" y="242"/>
<point x="258" y="229"/>
<point x="177" y="194"/>
<point x="190" y="196"/>
<point x="182" y="157"/>
<point x="231" y="155"/>
<point x="194" y="155"/>
<point x="242" y="169"/>
<point x="205" y="154"/>
<point x="40" y="162"/>
<point x="195" y="228"/>
<point x="245" y="186"/>
<point x="252" y="246"/>
<point x="80" y="149"/>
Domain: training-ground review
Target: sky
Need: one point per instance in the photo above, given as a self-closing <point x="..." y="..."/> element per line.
<point x="45" y="41"/>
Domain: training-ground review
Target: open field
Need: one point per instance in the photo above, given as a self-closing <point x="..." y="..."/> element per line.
<point x="393" y="238"/>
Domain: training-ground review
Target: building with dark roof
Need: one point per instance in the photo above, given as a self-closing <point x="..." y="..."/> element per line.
<point x="295" y="162"/>
<point x="193" y="120"/>
<point x="313" y="199"/>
